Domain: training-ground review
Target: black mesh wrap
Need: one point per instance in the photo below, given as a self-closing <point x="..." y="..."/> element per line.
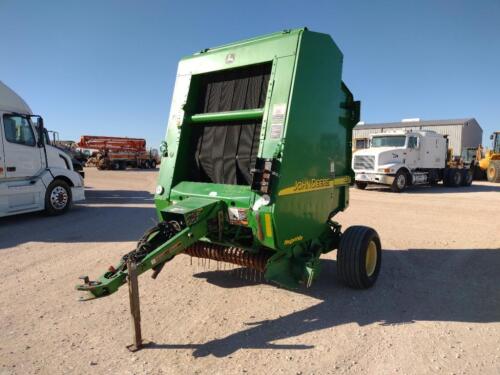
<point x="225" y="152"/>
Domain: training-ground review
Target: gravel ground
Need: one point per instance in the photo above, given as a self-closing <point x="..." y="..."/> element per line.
<point x="434" y="309"/>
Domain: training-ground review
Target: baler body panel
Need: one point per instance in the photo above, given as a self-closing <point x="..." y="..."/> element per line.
<point x="256" y="160"/>
<point x="299" y="123"/>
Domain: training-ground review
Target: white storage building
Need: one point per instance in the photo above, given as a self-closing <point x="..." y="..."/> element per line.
<point x="461" y="133"/>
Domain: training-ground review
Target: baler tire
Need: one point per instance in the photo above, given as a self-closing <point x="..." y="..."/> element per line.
<point x="357" y="245"/>
<point x="62" y="189"/>
<point x="395" y="187"/>
<point x="361" y="185"/>
<point x="493" y="171"/>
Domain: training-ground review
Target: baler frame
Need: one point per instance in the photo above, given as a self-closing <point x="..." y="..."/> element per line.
<point x="257" y="166"/>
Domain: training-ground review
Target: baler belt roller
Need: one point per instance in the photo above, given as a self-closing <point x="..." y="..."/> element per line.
<point x="244" y="114"/>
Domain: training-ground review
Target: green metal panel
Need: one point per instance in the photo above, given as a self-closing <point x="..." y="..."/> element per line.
<point x="314" y="140"/>
<point x="307" y="122"/>
<point x="311" y="144"/>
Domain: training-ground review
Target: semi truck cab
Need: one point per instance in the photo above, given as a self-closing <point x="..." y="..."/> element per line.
<point x="34" y="175"/>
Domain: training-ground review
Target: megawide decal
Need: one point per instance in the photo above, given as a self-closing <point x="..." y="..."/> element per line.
<point x="293" y="240"/>
<point x="314" y="184"/>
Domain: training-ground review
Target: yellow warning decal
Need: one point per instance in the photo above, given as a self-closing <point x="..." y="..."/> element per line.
<point x="269" y="227"/>
<point x="314" y="184"/>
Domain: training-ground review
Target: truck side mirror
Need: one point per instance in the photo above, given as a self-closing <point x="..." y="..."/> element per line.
<point x="491" y="137"/>
<point x="40" y="130"/>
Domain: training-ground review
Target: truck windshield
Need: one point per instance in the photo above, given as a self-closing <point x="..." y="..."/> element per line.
<point x="389" y="141"/>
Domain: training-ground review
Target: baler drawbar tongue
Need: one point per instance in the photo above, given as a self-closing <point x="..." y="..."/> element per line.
<point x="185" y="223"/>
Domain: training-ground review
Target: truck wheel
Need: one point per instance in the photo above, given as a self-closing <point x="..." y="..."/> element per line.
<point x="58" y="198"/>
<point x="103" y="164"/>
<point x="400" y="182"/>
<point x="467" y="177"/>
<point x="361" y="185"/>
<point x="146" y="164"/>
<point x="433" y="178"/>
<point x="493" y="171"/>
<point x="453" y="177"/>
<point x="122" y="165"/>
<point x="153" y="164"/>
<point x="359" y="257"/>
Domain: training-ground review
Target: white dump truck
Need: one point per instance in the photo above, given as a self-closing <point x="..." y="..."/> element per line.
<point x="34" y="175"/>
<point x="401" y="159"/>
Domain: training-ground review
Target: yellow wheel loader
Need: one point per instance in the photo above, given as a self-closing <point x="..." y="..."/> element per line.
<point x="490" y="160"/>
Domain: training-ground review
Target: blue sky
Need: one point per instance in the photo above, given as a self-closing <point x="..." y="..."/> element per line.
<point x="108" y="67"/>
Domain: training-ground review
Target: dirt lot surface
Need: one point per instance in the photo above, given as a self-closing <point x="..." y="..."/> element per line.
<point x="434" y="309"/>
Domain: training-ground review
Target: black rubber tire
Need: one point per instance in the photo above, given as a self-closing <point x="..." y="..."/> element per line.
<point x="479" y="174"/>
<point x="52" y="210"/>
<point x="446" y="178"/>
<point x="398" y="188"/>
<point x="433" y="178"/>
<point x="147" y="165"/>
<point x="351" y="257"/>
<point x="123" y="165"/>
<point x="493" y="171"/>
<point x="467" y="177"/>
<point x="361" y="185"/>
<point x="153" y="164"/>
<point x="453" y="177"/>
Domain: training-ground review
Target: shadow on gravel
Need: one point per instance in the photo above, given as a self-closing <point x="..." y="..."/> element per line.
<point x="414" y="285"/>
<point x="118" y="196"/>
<point x="439" y="189"/>
<point x="119" y="219"/>
<point x="128" y="170"/>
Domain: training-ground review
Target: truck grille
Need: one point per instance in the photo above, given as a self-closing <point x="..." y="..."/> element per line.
<point x="364" y="162"/>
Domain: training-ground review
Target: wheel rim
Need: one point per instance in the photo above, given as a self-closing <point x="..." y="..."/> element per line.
<point x="401" y="181"/>
<point x="59" y="198"/>
<point x="371" y="258"/>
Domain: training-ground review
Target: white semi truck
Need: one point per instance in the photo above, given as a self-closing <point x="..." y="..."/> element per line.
<point x="34" y="175"/>
<point x="402" y="159"/>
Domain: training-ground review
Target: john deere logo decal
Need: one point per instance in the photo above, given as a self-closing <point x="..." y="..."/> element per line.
<point x="314" y="184"/>
<point x="230" y="58"/>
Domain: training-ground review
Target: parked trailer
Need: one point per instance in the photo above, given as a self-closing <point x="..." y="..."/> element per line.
<point x="401" y="159"/>
<point x="118" y="152"/>
<point x="34" y="175"/>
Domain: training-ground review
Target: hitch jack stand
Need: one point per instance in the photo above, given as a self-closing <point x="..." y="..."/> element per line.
<point x="135" y="308"/>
